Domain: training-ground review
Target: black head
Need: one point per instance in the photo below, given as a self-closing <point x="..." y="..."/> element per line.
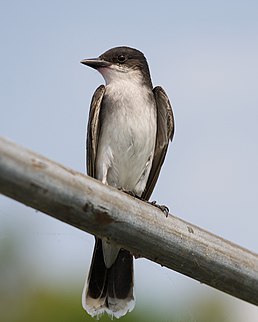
<point x="125" y="58"/>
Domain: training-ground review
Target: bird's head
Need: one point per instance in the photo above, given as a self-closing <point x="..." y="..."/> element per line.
<point x="121" y="63"/>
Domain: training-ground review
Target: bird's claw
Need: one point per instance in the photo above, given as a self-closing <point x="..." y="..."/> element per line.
<point x="128" y="192"/>
<point x="163" y="208"/>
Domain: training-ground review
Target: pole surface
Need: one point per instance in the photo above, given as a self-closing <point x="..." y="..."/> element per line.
<point x="143" y="229"/>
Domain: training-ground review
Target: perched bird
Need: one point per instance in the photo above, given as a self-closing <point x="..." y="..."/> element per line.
<point x="129" y="127"/>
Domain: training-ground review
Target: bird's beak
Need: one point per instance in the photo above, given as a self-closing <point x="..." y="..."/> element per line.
<point x="95" y="63"/>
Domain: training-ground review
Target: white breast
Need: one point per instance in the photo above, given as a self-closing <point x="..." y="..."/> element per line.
<point x="128" y="135"/>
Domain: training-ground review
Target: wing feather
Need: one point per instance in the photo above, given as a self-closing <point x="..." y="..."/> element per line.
<point x="93" y="130"/>
<point x="165" y="132"/>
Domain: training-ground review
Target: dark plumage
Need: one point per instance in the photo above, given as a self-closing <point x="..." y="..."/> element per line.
<point x="129" y="128"/>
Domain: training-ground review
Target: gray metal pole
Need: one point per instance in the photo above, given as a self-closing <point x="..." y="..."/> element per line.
<point x="137" y="226"/>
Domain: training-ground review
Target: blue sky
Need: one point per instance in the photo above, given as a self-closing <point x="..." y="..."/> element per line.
<point x="204" y="54"/>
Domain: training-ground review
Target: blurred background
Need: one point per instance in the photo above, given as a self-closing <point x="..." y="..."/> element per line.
<point x="204" y="54"/>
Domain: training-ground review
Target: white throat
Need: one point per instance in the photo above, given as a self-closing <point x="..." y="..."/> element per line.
<point x="114" y="74"/>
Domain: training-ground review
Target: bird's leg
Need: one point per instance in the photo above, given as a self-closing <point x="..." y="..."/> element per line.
<point x="131" y="193"/>
<point x="163" y="208"/>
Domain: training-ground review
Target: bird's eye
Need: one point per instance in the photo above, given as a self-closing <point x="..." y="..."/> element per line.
<point x="121" y="58"/>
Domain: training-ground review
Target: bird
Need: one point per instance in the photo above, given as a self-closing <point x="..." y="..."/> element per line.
<point x="129" y="128"/>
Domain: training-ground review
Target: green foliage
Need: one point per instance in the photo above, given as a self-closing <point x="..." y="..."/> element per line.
<point x="59" y="306"/>
<point x="53" y="306"/>
<point x="23" y="298"/>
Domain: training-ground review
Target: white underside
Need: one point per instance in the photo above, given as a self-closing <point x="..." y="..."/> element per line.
<point x="124" y="158"/>
<point x="110" y="252"/>
<point x="127" y="138"/>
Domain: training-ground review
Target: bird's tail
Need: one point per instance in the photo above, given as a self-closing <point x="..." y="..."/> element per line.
<point x="109" y="290"/>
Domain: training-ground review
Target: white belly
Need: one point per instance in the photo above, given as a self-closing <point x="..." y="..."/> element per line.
<point x="127" y="138"/>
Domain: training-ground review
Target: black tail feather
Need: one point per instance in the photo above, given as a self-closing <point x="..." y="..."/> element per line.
<point x="109" y="290"/>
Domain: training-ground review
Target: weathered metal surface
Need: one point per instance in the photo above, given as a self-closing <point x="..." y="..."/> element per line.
<point x="137" y="226"/>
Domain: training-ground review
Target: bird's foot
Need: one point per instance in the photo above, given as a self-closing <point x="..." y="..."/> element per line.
<point x="131" y="193"/>
<point x="163" y="208"/>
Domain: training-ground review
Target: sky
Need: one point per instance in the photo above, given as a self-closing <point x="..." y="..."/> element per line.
<point x="203" y="53"/>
